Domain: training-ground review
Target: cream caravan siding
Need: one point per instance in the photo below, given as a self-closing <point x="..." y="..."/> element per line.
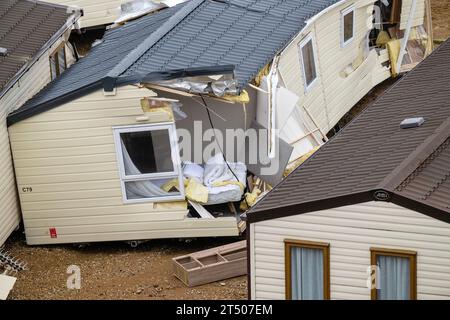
<point x="96" y="12"/>
<point x="334" y="94"/>
<point x="9" y="206"/>
<point x="36" y="78"/>
<point x="419" y="16"/>
<point x="67" y="157"/>
<point x="351" y="231"/>
<point x="27" y="86"/>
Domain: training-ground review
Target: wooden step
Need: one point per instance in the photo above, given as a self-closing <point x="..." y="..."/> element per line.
<point x="212" y="265"/>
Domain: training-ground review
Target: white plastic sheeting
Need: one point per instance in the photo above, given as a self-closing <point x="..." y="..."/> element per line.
<point x="6" y="285"/>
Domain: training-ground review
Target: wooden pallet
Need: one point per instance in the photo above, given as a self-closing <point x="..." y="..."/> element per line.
<point x="212" y="265"/>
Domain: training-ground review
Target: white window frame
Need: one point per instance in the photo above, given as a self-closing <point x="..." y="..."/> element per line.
<point x="177" y="172"/>
<point x="301" y="45"/>
<point x="343" y="14"/>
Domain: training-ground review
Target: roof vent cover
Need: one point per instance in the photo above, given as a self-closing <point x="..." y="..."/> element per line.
<point x="412" y="123"/>
<point x="3" y="52"/>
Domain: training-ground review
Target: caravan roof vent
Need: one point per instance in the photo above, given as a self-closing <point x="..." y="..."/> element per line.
<point x="3" y="52"/>
<point x="412" y="123"/>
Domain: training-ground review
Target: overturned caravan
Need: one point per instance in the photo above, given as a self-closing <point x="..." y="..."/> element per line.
<point x="173" y="127"/>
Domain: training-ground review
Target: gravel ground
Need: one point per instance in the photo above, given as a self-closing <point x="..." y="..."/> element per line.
<point x="441" y="19"/>
<point x="117" y="271"/>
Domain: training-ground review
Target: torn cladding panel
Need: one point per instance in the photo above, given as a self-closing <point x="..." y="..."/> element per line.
<point x="271" y="170"/>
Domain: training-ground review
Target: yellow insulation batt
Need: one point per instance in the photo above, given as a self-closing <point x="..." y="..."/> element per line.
<point x="393" y="47"/>
<point x="242" y="98"/>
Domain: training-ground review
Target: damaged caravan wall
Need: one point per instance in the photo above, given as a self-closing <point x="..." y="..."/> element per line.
<point x="225" y="116"/>
<point x="271" y="170"/>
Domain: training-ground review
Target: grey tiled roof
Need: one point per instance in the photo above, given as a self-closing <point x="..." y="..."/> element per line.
<point x="373" y="153"/>
<point x="246" y="34"/>
<point x="117" y="43"/>
<point x="196" y="34"/>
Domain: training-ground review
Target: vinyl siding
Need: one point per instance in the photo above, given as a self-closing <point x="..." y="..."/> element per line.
<point x="351" y="232"/>
<point x="28" y="85"/>
<point x="96" y="13"/>
<point x="67" y="156"/>
<point x="419" y="16"/>
<point x="333" y="95"/>
<point x="9" y="209"/>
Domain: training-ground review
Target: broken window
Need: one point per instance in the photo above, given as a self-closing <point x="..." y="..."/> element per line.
<point x="58" y="62"/>
<point x="308" y="61"/>
<point x="348" y="25"/>
<point x="149" y="163"/>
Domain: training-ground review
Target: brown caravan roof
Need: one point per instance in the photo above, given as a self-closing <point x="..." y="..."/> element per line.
<point x="25" y="27"/>
<point x="373" y="158"/>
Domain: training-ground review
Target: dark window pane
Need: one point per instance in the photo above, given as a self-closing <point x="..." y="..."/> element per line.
<point x="348" y="26"/>
<point x="62" y="60"/>
<point x="147" y="152"/>
<point x="308" y="62"/>
<point x="53" y="67"/>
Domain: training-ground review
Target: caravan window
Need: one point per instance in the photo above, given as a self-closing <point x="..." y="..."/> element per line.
<point x="148" y="162"/>
<point x="396" y="275"/>
<point x="308" y="61"/>
<point x="307" y="269"/>
<point x="347" y="25"/>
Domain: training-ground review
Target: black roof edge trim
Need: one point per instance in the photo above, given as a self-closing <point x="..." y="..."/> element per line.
<point x="418" y="206"/>
<point x="109" y="83"/>
<point x="345" y="200"/>
<point x="190" y="72"/>
<point x="19" y="115"/>
<point x="306" y="207"/>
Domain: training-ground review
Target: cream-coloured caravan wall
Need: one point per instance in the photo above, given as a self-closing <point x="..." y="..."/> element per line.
<point x="333" y="95"/>
<point x="28" y="85"/>
<point x="419" y="16"/>
<point x="351" y="231"/>
<point x="67" y="157"/>
<point x="96" y="12"/>
<point x="9" y="206"/>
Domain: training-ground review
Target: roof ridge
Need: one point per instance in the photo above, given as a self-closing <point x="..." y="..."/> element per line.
<point x="424" y="165"/>
<point x="417" y="158"/>
<point x="154" y="37"/>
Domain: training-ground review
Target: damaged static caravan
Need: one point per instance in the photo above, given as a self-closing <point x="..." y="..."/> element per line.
<point x="100" y="13"/>
<point x="33" y="45"/>
<point x="96" y="153"/>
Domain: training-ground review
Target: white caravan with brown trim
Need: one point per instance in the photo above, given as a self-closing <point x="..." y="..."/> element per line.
<point x="369" y="217"/>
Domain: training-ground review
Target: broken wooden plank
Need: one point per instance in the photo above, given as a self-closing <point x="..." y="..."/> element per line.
<point x="212" y="265"/>
<point x="205" y="214"/>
